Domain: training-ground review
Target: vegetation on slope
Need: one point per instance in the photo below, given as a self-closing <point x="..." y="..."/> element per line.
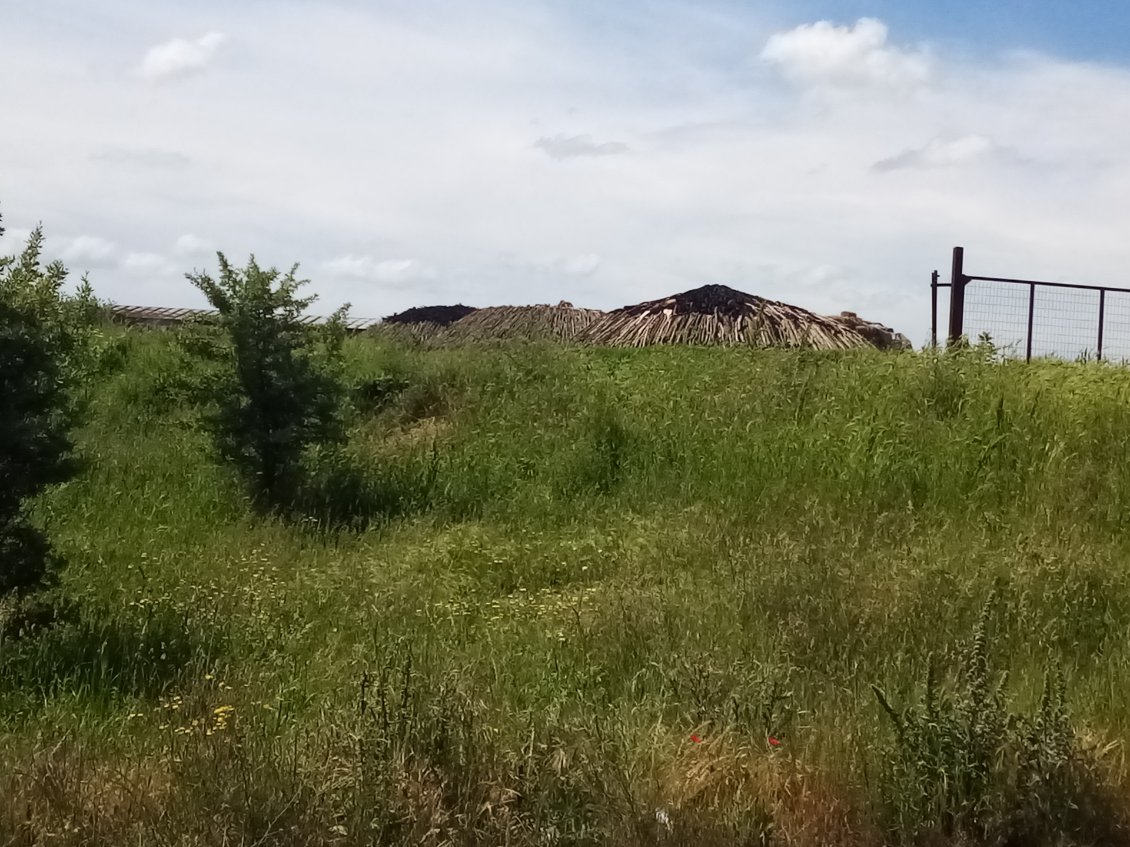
<point x="46" y="349"/>
<point x="560" y="596"/>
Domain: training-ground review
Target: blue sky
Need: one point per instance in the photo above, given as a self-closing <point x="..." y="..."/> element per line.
<point x="1083" y="29"/>
<point x="825" y="154"/>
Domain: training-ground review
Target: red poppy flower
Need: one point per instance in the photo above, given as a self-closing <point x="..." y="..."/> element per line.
<point x="695" y="739"/>
<point x="774" y="742"/>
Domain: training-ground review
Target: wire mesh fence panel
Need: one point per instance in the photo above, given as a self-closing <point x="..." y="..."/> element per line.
<point x="1000" y="312"/>
<point x="1116" y="326"/>
<point x="1065" y="323"/>
<point x="1026" y="318"/>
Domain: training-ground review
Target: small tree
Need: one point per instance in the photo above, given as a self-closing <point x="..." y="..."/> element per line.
<point x="278" y="387"/>
<point x="43" y="335"/>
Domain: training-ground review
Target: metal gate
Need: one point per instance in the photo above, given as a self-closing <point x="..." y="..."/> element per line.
<point x="1034" y="318"/>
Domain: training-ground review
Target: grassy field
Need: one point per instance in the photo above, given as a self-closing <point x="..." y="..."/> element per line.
<point x="675" y="596"/>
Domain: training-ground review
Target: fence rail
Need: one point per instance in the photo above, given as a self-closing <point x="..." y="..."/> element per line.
<point x="1043" y="318"/>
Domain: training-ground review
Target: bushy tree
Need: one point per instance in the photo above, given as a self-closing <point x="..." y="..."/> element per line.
<point x="44" y="334"/>
<point x="277" y="384"/>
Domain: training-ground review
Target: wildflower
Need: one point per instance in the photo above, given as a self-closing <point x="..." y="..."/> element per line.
<point x="773" y="742"/>
<point x="220" y="717"/>
<point x="696" y="739"/>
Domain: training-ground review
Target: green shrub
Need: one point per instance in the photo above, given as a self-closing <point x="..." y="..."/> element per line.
<point x="277" y="387"/>
<point x="43" y="357"/>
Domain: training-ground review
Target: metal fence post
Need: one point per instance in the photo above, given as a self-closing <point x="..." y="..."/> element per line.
<point x="934" y="309"/>
<point x="1102" y="315"/>
<point x="958" y="279"/>
<point x="1031" y="318"/>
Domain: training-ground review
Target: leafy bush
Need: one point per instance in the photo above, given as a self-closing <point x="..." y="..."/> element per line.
<point x="277" y="386"/>
<point x="43" y="358"/>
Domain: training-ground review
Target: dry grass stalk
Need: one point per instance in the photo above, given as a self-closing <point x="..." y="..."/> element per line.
<point x="724" y="785"/>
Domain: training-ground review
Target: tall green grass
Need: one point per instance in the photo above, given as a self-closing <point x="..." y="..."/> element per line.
<point x="561" y="596"/>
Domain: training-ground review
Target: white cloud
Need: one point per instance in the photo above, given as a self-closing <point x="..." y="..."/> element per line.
<point x="13" y="241"/>
<point x="90" y="251"/>
<point x="572" y="146"/>
<point x="141" y="157"/>
<point x="942" y="153"/>
<point x="845" y="56"/>
<point x="148" y="264"/>
<point x="189" y="245"/>
<point x="580" y="265"/>
<point x="386" y="271"/>
<point x="181" y="57"/>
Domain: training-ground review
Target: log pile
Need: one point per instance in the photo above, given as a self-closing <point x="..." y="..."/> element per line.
<point x="719" y="315"/>
<point x="563" y="322"/>
<point x="876" y="334"/>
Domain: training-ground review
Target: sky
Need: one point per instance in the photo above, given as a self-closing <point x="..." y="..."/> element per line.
<point x="414" y="152"/>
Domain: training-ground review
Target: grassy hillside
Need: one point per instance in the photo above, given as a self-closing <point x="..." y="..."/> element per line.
<point x="603" y="597"/>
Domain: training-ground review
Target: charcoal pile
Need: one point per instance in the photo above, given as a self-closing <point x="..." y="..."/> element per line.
<point x="421" y="324"/>
<point x="438" y="315"/>
<point x="876" y="334"/>
<point x="563" y="322"/>
<point x="719" y="315"/>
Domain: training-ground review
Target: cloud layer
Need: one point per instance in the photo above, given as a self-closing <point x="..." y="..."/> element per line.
<point x="429" y="152"/>
<point x="90" y="251"/>
<point x="190" y="246"/>
<point x="387" y="271"/>
<point x="942" y="153"/>
<point x="569" y="146"/>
